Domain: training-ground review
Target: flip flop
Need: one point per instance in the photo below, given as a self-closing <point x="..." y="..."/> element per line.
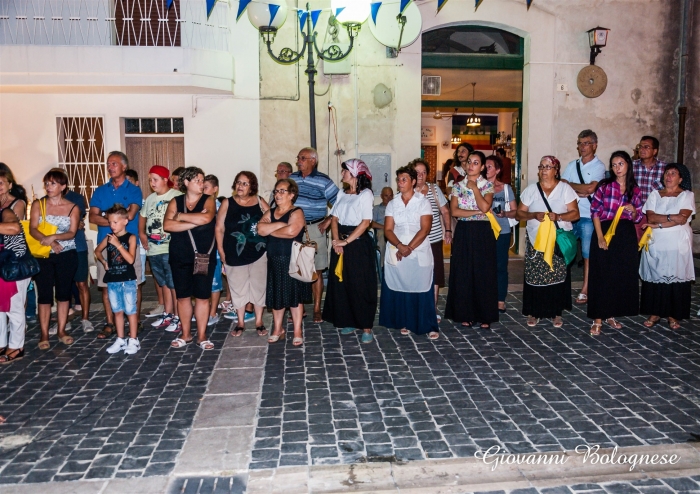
<point x="581" y="299"/>
<point x="206" y="345"/>
<point x="180" y="343"/>
<point x="404" y="331"/>
<point x="612" y="322"/>
<point x="44" y="345"/>
<point x="650" y="323"/>
<point x="262" y="331"/>
<point x="595" y="329"/>
<point x="237" y="331"/>
<point x="298" y="341"/>
<point x="433" y="335"/>
<point x="318" y="318"/>
<point x="106" y="331"/>
<point x="674" y="324"/>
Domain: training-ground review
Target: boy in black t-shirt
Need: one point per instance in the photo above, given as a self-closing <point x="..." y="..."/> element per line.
<point x="120" y="277"/>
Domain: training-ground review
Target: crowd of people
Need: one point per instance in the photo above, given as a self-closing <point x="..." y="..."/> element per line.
<point x="190" y="238"/>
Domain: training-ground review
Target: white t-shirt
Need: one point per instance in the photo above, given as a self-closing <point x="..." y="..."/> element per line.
<point x="560" y="196"/>
<point x="593" y="171"/>
<point x="351" y="209"/>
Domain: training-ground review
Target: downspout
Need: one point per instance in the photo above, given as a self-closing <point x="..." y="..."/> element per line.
<point x="683" y="70"/>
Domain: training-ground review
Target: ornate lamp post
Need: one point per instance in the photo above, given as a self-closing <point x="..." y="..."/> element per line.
<point x="350" y="14"/>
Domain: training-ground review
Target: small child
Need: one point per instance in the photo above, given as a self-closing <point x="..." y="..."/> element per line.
<point x="211" y="188"/>
<point x="120" y="277"/>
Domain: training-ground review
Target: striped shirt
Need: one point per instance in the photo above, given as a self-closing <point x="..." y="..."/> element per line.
<point x="437" y="200"/>
<point x="316" y="191"/>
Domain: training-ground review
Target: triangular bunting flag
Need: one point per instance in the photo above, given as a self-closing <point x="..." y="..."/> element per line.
<point x="529" y="2"/>
<point x="375" y="8"/>
<point x="210" y="7"/>
<point x="303" y="15"/>
<point x="314" y="18"/>
<point x="476" y="4"/>
<point x="273" y="12"/>
<point x="170" y="2"/>
<point x="441" y="4"/>
<point x="338" y="11"/>
<point x="404" y="4"/>
<point x="242" y="4"/>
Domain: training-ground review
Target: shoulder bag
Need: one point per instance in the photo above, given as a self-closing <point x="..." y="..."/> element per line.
<point x="580" y="177"/>
<point x="35" y="247"/>
<point x="201" y="261"/>
<point x="566" y="241"/>
<point x="301" y="263"/>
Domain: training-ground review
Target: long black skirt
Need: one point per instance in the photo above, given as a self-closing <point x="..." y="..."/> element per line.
<point x="352" y="303"/>
<point x="613" y="280"/>
<point x="666" y="299"/>
<point x="413" y="311"/>
<point x="473" y="292"/>
<point x="283" y="291"/>
<point x="547" y="301"/>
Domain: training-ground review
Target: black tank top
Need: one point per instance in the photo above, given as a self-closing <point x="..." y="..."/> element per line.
<point x="242" y="244"/>
<point x="180" y="248"/>
<point x="282" y="246"/>
<point x="119" y="270"/>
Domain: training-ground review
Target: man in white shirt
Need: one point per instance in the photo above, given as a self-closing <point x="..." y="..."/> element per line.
<point x="583" y="175"/>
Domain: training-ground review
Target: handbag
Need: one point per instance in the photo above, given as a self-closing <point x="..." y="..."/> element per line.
<point x="301" y="262"/>
<point x="566" y="241"/>
<point x="35" y="247"/>
<point x="201" y="261"/>
<point x="506" y="206"/>
<point x="12" y="266"/>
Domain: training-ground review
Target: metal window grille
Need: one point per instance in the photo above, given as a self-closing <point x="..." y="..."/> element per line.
<point x="154" y="126"/>
<point x="114" y="22"/>
<point x="81" y="153"/>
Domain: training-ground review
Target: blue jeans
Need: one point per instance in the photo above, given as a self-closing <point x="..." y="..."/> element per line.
<point x="31" y="301"/>
<point x="502" y="248"/>
<point x="583" y="230"/>
<point x="217" y="285"/>
<point x="160" y="267"/>
<point x="122" y="296"/>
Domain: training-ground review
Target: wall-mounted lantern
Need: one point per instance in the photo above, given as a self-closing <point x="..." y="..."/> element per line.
<point x="597" y="39"/>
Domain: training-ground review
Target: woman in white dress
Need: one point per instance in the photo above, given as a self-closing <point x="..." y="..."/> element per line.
<point x="667" y="269"/>
<point x="407" y="288"/>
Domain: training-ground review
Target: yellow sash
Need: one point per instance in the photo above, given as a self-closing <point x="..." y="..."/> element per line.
<point x="339" y="268"/>
<point x="613" y="226"/>
<point x="494" y="224"/>
<point x="546" y="239"/>
<point x="646" y="237"/>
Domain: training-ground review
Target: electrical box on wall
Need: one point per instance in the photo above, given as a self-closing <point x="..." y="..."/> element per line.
<point x="380" y="168"/>
<point x="338" y="68"/>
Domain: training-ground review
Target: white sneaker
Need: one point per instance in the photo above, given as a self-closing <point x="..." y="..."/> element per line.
<point x="194" y="319"/>
<point x="161" y="319"/>
<point x="87" y="326"/>
<point x="174" y="326"/>
<point x="132" y="346"/>
<point x="159" y="309"/>
<point x="213" y="320"/>
<point x="118" y="345"/>
<point x="53" y="329"/>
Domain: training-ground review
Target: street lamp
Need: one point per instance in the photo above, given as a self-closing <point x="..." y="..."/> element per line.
<point x="348" y="13"/>
<point x="597" y="39"/>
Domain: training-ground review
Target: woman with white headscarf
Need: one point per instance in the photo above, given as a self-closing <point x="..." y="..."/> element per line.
<point x="351" y="297"/>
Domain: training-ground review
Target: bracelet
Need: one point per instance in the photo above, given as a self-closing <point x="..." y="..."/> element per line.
<point x="448" y="231"/>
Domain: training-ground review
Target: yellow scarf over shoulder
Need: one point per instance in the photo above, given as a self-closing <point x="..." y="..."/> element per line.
<point x="613" y="226"/>
<point x="546" y="239"/>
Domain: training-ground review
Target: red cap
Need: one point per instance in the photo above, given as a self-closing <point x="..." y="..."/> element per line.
<point x="163" y="172"/>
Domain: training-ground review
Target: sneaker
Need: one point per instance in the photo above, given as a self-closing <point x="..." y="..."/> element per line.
<point x="163" y="321"/>
<point x="231" y="315"/>
<point x="174" y="325"/>
<point x="347" y="330"/>
<point x="53" y="329"/>
<point x="367" y="337"/>
<point x="118" y="345"/>
<point x="213" y="320"/>
<point x="132" y="346"/>
<point x="249" y="316"/>
<point x="226" y="306"/>
<point x="159" y="309"/>
<point x="87" y="326"/>
<point x="78" y="307"/>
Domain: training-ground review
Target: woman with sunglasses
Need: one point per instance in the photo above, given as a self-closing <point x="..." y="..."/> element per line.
<point x="547" y="289"/>
<point x="613" y="284"/>
<point x="473" y="294"/>
<point x="242" y="249"/>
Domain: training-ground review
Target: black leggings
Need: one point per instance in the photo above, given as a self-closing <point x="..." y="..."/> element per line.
<point x="56" y="271"/>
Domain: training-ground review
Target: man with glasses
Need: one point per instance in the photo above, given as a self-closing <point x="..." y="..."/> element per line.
<point x="648" y="172"/>
<point x="583" y="175"/>
<point x="284" y="170"/>
<point x="316" y="192"/>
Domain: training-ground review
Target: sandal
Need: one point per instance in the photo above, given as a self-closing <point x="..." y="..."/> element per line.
<point x="238" y="331"/>
<point x="106" y="331"/>
<point x="467" y="324"/>
<point x="16" y="354"/>
<point x="404" y="331"/>
<point x="433" y="335"/>
<point x="557" y="322"/>
<point x="3" y="350"/>
<point x="502" y="310"/>
<point x="262" y="330"/>
<point x="532" y="321"/>
<point x="595" y="329"/>
<point x="180" y="343"/>
<point x="610" y="321"/>
<point x="581" y="299"/>
<point x="206" y="345"/>
<point x="298" y="341"/>
<point x="44" y="345"/>
<point x="317" y="316"/>
<point x="485" y="326"/>
<point x="66" y="340"/>
<point x="673" y="324"/>
<point x="274" y="338"/>
<point x="650" y="323"/>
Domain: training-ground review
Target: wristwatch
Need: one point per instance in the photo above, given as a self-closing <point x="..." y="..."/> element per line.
<point x="660" y="225"/>
<point x="668" y="217"/>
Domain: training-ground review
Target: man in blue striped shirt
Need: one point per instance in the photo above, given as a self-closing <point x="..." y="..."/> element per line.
<point x="316" y="192"/>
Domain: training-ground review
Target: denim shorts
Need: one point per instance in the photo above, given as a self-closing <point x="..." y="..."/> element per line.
<point x="122" y="296"/>
<point x="583" y="229"/>
<point x="217" y="284"/>
<point x="160" y="267"/>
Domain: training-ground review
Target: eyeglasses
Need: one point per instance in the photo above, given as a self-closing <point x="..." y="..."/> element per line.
<point x="646" y="146"/>
<point x="304" y="158"/>
<point x="242" y="184"/>
<point x="50" y="184"/>
<point x="282" y="172"/>
<point x="585" y="143"/>
<point x="546" y="167"/>
<point x="280" y="191"/>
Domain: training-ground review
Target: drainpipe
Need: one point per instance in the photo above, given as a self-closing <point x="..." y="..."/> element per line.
<point x="683" y="69"/>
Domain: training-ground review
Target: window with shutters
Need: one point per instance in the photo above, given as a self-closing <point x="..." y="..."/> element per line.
<point x="147" y="22"/>
<point x="81" y="153"/>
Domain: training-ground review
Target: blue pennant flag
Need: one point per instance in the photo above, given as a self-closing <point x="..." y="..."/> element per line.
<point x="170" y="2"/>
<point x="242" y="4"/>
<point x="529" y="2"/>
<point x="303" y="15"/>
<point x="476" y="4"/>
<point x="273" y="12"/>
<point x="404" y="4"/>
<point x="314" y="18"/>
<point x="338" y="11"/>
<point x="375" y="9"/>
<point x="210" y="7"/>
<point x="441" y="4"/>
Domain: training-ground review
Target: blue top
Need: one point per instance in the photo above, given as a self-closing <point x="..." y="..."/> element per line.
<point x="79" y="200"/>
<point x="106" y="196"/>
<point x="315" y="192"/>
